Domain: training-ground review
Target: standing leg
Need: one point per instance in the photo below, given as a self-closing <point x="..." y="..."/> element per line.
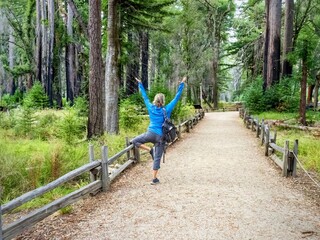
<point x="159" y="147"/>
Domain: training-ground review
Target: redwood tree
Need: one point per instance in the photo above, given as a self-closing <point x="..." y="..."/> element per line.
<point x="95" y="122"/>
<point x="288" y="38"/>
<point x="112" y="71"/>
<point x="272" y="51"/>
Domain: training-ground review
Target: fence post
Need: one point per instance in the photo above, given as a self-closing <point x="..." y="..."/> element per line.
<point x="136" y="154"/>
<point x="93" y="176"/>
<point x="295" y="151"/>
<point x="188" y="129"/>
<point x="285" y="159"/>
<point x="104" y="169"/>
<point x="127" y="145"/>
<point x="244" y="117"/>
<point x="275" y="137"/>
<point x="252" y="124"/>
<point x="258" y="128"/>
<point x="262" y="132"/>
<point x="267" y="141"/>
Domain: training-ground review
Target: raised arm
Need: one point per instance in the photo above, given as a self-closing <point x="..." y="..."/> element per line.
<point x="143" y="93"/>
<point x="176" y="98"/>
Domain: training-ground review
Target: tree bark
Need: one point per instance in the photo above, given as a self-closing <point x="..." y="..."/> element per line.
<point x="144" y="36"/>
<point x="303" y="88"/>
<point x="95" y="122"/>
<point x="44" y="46"/>
<point x="266" y="45"/>
<point x="112" y="72"/>
<point x="11" y="85"/>
<point x="316" y="92"/>
<point x="131" y="86"/>
<point x="288" y="38"/>
<point x="310" y="91"/>
<point x="51" y="10"/>
<point x="82" y="24"/>
<point x="38" y="51"/>
<point x="70" y="58"/>
<point x="273" y="67"/>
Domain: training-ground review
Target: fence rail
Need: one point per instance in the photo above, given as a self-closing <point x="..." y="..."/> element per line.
<point x="100" y="180"/>
<point x="288" y="162"/>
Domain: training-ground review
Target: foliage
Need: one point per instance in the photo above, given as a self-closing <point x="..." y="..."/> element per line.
<point x="281" y="97"/>
<point x="11" y="101"/>
<point x="71" y="128"/>
<point x="129" y="115"/>
<point x="81" y="106"/>
<point x="36" y="98"/>
<point x="27" y="164"/>
<point x="309" y="153"/>
<point x="25" y="123"/>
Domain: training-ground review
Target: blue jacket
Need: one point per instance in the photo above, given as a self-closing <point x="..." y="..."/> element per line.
<point x="156" y="113"/>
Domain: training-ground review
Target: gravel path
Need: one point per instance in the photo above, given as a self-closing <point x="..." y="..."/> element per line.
<point x="216" y="184"/>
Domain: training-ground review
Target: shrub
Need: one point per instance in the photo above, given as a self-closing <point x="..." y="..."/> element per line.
<point x="281" y="97"/>
<point x="130" y="117"/>
<point x="71" y="127"/>
<point x="25" y="124"/>
<point x="81" y="106"/>
<point x="36" y="97"/>
<point x="12" y="101"/>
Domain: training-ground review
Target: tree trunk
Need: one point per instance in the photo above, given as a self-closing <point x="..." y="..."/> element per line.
<point x="131" y="85"/>
<point x="309" y="96"/>
<point x="288" y="38"/>
<point x="44" y="46"/>
<point x="95" y="121"/>
<point x="266" y="45"/>
<point x="303" y="88"/>
<point x="38" y="51"/>
<point x="70" y="59"/>
<point x="144" y="44"/>
<point x="11" y="85"/>
<point x="112" y="71"/>
<point x="51" y="48"/>
<point x="273" y="67"/>
<point x="316" y="92"/>
<point x="80" y="21"/>
<point x="215" y="79"/>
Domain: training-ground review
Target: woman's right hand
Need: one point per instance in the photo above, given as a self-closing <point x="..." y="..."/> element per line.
<point x="184" y="79"/>
<point x="138" y="80"/>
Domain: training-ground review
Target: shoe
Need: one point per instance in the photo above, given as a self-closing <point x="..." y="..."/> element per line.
<point x="155" y="181"/>
<point x="152" y="152"/>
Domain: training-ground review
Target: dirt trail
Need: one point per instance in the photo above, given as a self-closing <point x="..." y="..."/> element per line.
<point x="216" y="184"/>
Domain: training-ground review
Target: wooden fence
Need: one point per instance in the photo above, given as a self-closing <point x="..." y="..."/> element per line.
<point x="100" y="180"/>
<point x="288" y="162"/>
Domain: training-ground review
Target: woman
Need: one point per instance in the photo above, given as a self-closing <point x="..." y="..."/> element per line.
<point x="154" y="132"/>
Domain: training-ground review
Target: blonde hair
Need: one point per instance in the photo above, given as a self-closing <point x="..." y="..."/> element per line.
<point x="159" y="100"/>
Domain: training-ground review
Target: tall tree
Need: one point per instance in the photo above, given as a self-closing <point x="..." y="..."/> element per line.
<point x="217" y="16"/>
<point x="70" y="57"/>
<point x="51" y="39"/>
<point x="96" y="107"/>
<point x="112" y="71"/>
<point x="288" y="38"/>
<point x="272" y="51"/>
<point x="144" y="43"/>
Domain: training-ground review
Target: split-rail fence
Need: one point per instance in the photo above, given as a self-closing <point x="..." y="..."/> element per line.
<point x="288" y="161"/>
<point x="100" y="180"/>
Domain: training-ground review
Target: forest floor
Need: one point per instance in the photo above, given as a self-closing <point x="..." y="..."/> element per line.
<point x="216" y="183"/>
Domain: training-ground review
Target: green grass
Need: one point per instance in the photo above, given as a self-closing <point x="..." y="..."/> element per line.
<point x="309" y="150"/>
<point x="31" y="160"/>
